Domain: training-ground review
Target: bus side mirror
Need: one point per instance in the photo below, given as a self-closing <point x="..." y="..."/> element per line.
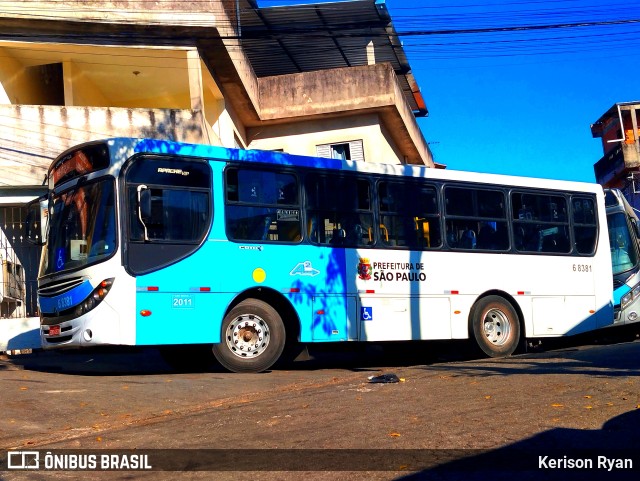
<point x="37" y="222"/>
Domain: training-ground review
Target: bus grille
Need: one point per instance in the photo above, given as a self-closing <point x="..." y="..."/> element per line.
<point x="60" y="287"/>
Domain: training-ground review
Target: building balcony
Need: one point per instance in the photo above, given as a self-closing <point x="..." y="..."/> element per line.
<point x="617" y="163"/>
<point x="34" y="135"/>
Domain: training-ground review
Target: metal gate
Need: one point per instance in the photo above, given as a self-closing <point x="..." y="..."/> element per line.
<point x="20" y="262"/>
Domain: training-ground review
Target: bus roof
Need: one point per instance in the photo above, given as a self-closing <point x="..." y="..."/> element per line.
<point x="281" y="158"/>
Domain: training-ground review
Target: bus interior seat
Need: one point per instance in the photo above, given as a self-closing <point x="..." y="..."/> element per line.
<point x="354" y="235"/>
<point x="468" y="239"/>
<point x="338" y="237"/>
<point x="486" y="238"/>
<point x="422" y="231"/>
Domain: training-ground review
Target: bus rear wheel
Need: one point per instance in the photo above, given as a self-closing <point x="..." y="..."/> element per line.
<point x="252" y="337"/>
<point x="495" y="325"/>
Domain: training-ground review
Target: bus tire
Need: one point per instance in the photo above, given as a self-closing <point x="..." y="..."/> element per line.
<point x="495" y="326"/>
<point x="252" y="337"/>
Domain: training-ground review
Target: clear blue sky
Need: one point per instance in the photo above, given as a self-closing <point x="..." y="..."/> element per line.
<point x="518" y="102"/>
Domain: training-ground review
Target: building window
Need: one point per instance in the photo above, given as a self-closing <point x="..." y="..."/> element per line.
<point x="351" y="150"/>
<point x="340" y="151"/>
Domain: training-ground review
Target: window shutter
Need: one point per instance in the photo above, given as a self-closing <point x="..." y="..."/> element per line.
<point x="323" y="151"/>
<point x="357" y="152"/>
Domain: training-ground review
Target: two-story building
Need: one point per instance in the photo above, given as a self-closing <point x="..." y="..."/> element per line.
<point x="328" y="79"/>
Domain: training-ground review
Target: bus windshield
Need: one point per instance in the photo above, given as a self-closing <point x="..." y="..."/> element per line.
<point x="623" y="254"/>
<point x="82" y="227"/>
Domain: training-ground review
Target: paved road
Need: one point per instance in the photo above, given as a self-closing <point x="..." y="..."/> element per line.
<point x="503" y="415"/>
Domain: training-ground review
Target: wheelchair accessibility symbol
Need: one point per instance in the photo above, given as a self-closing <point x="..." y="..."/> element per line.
<point x="366" y="313"/>
<point x="60" y="259"/>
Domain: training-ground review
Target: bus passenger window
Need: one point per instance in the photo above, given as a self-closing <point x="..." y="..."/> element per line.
<point x="339" y="210"/>
<point x="262" y="205"/>
<point x="409" y="216"/>
<point x="585" y="230"/>
<point x="476" y="219"/>
<point x="540" y="223"/>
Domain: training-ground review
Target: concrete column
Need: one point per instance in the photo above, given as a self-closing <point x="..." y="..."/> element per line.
<point x="195" y="80"/>
<point x="371" y="53"/>
<point x="67" y="81"/>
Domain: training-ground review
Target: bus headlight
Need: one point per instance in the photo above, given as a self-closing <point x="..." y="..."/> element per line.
<point x="95" y="298"/>
<point x="630" y="296"/>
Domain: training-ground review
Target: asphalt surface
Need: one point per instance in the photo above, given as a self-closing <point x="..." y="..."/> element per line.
<point x="451" y="416"/>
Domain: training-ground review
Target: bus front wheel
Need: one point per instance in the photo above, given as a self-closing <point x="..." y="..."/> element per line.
<point x="495" y="326"/>
<point x="252" y="337"/>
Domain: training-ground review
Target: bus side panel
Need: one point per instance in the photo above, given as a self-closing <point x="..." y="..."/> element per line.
<point x="317" y="278"/>
<point x="400" y="295"/>
<point x="183" y="303"/>
<point x="178" y="317"/>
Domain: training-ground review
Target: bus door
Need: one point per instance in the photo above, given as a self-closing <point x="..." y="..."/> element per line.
<point x="168" y="215"/>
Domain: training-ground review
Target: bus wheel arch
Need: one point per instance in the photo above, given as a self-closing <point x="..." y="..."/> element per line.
<point x="252" y="315"/>
<point x="496" y="324"/>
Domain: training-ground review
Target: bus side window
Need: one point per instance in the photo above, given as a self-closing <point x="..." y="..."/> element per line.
<point x="262" y="205"/>
<point x="544" y="227"/>
<point x="585" y="229"/>
<point x="476" y="218"/>
<point x="339" y="210"/>
<point x="409" y="216"/>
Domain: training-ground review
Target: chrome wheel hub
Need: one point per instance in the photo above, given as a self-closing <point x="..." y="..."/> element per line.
<point x="496" y="327"/>
<point x="247" y="336"/>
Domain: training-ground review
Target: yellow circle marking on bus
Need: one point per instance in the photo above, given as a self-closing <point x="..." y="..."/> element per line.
<point x="259" y="275"/>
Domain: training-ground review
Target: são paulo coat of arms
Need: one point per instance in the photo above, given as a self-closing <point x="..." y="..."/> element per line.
<point x="364" y="269"/>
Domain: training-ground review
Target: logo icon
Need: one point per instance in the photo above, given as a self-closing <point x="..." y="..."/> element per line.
<point x="364" y="269"/>
<point x="23" y="460"/>
<point x="366" y="313"/>
<point x="304" y="269"/>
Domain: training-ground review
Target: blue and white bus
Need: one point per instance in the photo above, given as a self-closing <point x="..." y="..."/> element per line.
<point x="624" y="231"/>
<point x="248" y="252"/>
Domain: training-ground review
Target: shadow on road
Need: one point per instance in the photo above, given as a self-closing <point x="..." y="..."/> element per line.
<point x="601" y="361"/>
<point x="595" y="454"/>
<point x="624" y="360"/>
<point x="117" y="361"/>
<point x="108" y="361"/>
